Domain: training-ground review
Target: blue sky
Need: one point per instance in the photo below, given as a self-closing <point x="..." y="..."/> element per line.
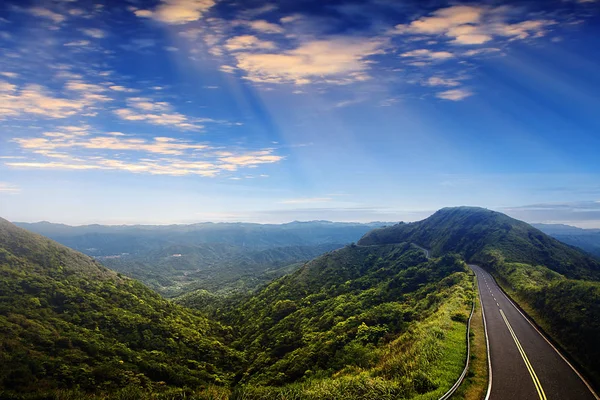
<point x="181" y="111"/>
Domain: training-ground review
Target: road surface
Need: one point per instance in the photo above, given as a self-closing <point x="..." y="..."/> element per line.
<point x="524" y="365"/>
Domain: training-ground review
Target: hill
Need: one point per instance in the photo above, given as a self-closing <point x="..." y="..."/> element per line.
<point x="359" y="322"/>
<point x="66" y="321"/>
<point x="474" y="232"/>
<point x="586" y="239"/>
<point x="555" y="283"/>
<point x="218" y="257"/>
<point x="379" y="322"/>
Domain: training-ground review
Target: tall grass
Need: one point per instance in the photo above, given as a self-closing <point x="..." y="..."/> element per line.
<point x="423" y="363"/>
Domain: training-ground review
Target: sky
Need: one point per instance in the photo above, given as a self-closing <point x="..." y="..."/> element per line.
<point x="181" y="111"/>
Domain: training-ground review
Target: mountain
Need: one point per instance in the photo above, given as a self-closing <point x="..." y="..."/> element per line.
<point x="67" y="321"/>
<point x="374" y="322"/>
<point x="586" y="239"/>
<point x="219" y="257"/>
<point x="555" y="283"/>
<point x="107" y="240"/>
<point x="473" y="232"/>
<point x="358" y="322"/>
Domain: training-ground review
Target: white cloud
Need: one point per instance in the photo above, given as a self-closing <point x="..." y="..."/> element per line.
<point x="94" y="32"/>
<point x="228" y="69"/>
<point x="77" y="43"/>
<point x="264" y="26"/>
<point x="428" y="54"/>
<point x="9" y="74"/>
<point x="177" y="11"/>
<point x="338" y="60"/>
<point x="475" y="25"/>
<point x="45" y="13"/>
<point x="9" y="188"/>
<point x="115" y="151"/>
<point x="454" y="94"/>
<point x="35" y="99"/>
<point x="81" y="86"/>
<point x="248" y="42"/>
<point x="437" y="81"/>
<point x="157" y="113"/>
<point x="485" y="50"/>
<point x="118" y="88"/>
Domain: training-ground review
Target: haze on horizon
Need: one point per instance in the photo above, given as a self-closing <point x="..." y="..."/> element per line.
<point x="366" y="110"/>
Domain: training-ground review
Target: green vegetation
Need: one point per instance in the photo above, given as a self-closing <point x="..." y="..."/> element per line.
<point x="218" y="268"/>
<point x="472" y="231"/>
<point x="567" y="309"/>
<point x="373" y="320"/>
<point x="67" y="321"/>
<point x="377" y="322"/>
<point x="557" y="284"/>
<point x="222" y="258"/>
<point x="475" y="384"/>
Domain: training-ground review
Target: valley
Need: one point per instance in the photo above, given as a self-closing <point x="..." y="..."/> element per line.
<point x="382" y="318"/>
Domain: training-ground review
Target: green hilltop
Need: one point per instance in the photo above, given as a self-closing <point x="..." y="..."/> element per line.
<point x="373" y="320"/>
<point x="555" y="283"/>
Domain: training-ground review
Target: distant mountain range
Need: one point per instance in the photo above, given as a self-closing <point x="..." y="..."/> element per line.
<point x="372" y="318"/>
<point x="586" y="239"/>
<point x="219" y="257"/>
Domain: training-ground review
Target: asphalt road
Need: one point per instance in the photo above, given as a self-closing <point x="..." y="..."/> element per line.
<point x="524" y="365"/>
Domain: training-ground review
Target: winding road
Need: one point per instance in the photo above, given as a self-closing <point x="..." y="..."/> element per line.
<point x="524" y="365"/>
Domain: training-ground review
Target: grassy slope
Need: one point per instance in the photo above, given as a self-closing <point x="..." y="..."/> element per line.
<point x="66" y="320"/>
<point x="376" y="322"/>
<point x="556" y="283"/>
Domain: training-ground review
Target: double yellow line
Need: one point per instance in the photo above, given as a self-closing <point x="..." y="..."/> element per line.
<point x="536" y="381"/>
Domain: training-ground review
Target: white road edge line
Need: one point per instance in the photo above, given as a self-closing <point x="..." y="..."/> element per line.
<point x="487" y="344"/>
<point x="548" y="341"/>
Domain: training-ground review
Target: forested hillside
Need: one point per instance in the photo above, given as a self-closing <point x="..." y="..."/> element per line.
<point x="219" y="257"/>
<point x="381" y="321"/>
<point x="66" y="321"/>
<point x="360" y="322"/>
<point x="473" y="232"/>
<point x="556" y="283"/>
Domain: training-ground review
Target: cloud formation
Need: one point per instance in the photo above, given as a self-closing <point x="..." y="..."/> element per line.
<point x="177" y="12"/>
<point x="36" y="100"/>
<point x="157" y="113"/>
<point x="475" y="25"/>
<point x="336" y="61"/>
<point x="77" y="148"/>
<point x="454" y="94"/>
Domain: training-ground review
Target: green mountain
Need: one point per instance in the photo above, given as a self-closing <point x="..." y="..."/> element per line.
<point x="474" y="232"/>
<point x="555" y="283"/>
<point x="218" y="257"/>
<point x="372" y="320"/>
<point x="360" y="322"/>
<point x="67" y="321"/>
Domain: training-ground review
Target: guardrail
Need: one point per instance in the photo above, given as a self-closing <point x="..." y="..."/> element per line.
<point x="461" y="378"/>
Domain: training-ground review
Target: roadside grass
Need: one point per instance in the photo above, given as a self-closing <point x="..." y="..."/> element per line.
<point x="421" y="364"/>
<point x="566" y="310"/>
<point x="475" y="384"/>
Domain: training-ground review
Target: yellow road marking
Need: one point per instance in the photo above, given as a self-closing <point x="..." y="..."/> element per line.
<point x="536" y="381"/>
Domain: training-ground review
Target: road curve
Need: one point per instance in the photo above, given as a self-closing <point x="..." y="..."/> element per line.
<point x="524" y="366"/>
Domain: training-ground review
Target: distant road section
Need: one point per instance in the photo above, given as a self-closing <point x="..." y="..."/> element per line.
<point x="524" y="366"/>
